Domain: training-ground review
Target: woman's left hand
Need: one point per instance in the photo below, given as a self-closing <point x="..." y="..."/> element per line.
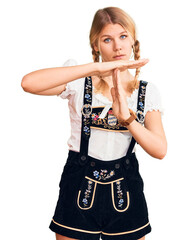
<point x="119" y="106"/>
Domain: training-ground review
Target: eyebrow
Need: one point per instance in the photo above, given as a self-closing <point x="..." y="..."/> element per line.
<point x="106" y="35"/>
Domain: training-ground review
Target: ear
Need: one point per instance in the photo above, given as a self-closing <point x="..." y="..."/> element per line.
<point x="95" y="47"/>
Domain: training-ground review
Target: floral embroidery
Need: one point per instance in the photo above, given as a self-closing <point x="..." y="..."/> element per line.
<point x="120" y="194"/>
<point x="141" y="104"/>
<point x="103" y="174"/>
<point x="87" y="108"/>
<point x="88" y="96"/>
<point x="95" y="116"/>
<point x="86" y="129"/>
<point x="87" y="193"/>
<point x="108" y="122"/>
<point x="141" y="97"/>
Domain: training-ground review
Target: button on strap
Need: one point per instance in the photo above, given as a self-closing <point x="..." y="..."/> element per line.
<point x="83" y="158"/>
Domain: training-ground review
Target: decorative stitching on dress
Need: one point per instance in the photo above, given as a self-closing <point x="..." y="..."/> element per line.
<point x="103" y="174"/>
<point x="76" y="229"/>
<point x="120" y="194"/>
<point x="141" y="101"/>
<point x="108" y="122"/>
<point x="87" y="193"/>
<point x="87" y="108"/>
<point x="95" y="232"/>
<point x="127" y="232"/>
<point x="105" y="183"/>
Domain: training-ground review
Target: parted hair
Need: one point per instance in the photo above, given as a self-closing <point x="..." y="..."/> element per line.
<point x="114" y="15"/>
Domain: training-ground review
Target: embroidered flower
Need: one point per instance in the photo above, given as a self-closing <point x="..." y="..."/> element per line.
<point x="86" y="129"/>
<point x="87" y="108"/>
<point x="96" y="117"/>
<point x="120" y="203"/>
<point x="85" y="201"/>
<point x="120" y="194"/>
<point x="88" y="96"/>
<point x="103" y="174"/>
<point x="87" y="193"/>
<point x="96" y="174"/>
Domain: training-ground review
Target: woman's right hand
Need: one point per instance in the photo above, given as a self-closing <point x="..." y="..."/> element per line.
<point x="52" y="81"/>
<point x="106" y="68"/>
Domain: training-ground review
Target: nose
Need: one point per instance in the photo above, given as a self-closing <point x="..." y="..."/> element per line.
<point x="117" y="45"/>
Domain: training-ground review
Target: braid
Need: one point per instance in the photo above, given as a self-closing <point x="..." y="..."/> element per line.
<point x="102" y="85"/>
<point x="136" y="50"/>
<point x="95" y="55"/>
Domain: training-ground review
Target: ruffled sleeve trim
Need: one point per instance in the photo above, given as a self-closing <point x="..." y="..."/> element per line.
<point x="153" y="99"/>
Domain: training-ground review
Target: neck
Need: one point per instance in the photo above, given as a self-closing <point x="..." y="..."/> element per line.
<point x="125" y="77"/>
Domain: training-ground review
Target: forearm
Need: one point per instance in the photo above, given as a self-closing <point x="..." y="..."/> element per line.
<point x="153" y="143"/>
<point x="48" y="78"/>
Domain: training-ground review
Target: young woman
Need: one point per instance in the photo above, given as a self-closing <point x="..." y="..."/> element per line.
<point x="101" y="190"/>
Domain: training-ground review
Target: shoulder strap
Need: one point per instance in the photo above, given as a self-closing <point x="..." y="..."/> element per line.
<point x="86" y="119"/>
<point x="141" y="101"/>
<point x="140" y="110"/>
<point x="87" y="110"/>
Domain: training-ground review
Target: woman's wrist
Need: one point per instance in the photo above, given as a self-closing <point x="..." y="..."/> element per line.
<point x="94" y="68"/>
<point x="128" y="120"/>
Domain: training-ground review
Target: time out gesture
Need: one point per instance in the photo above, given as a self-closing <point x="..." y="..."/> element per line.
<point x="106" y="68"/>
<point x="52" y="81"/>
<point x="120" y="106"/>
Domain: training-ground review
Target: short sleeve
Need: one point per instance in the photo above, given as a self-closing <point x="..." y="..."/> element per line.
<point x="71" y="87"/>
<point x="153" y="99"/>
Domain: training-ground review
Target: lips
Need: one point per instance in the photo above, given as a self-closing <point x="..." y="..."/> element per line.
<point x="119" y="56"/>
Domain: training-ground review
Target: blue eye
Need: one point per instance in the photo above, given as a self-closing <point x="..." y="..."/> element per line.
<point x="123" y="36"/>
<point x="107" y="40"/>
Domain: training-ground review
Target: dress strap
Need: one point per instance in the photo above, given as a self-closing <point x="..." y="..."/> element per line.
<point x="87" y="112"/>
<point x="140" y="111"/>
<point x="86" y="120"/>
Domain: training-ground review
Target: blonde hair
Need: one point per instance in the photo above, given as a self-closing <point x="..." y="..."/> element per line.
<point x="114" y="15"/>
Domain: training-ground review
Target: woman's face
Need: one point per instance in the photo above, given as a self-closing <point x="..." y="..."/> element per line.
<point x="114" y="43"/>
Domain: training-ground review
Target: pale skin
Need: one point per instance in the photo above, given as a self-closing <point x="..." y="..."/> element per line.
<point x="113" y="40"/>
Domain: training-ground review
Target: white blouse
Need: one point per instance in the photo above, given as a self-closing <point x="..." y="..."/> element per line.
<point x="103" y="144"/>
